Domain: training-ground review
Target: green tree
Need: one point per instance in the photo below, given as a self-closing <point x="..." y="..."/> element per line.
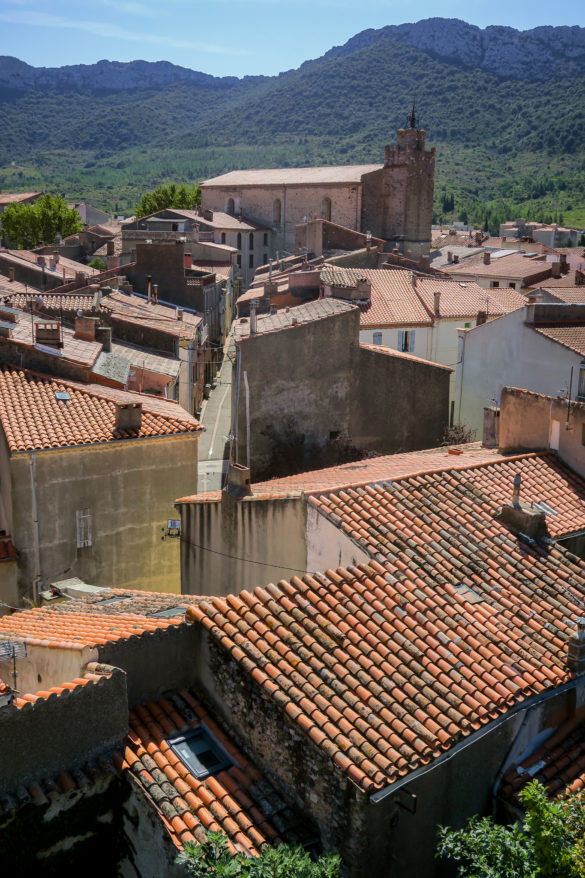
<point x="27" y="225"/>
<point x="169" y="195"/>
<point x="98" y="263"/>
<point x="212" y="859"/>
<point x="550" y="843"/>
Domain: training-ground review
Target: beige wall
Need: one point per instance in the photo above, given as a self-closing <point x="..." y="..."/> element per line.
<point x="222" y="540"/>
<point x="297" y="202"/>
<point x="130" y="489"/>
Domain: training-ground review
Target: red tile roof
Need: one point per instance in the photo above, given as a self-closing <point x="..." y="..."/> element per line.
<point x="454" y="620"/>
<point x="136" y="309"/>
<point x="380" y="349"/>
<point x="290" y="318"/>
<point x="394" y="301"/>
<point x="514" y="266"/>
<point x="574" y="295"/>
<point x="33" y="418"/>
<point x="460" y="299"/>
<point x="15" y="197"/>
<point x="19" y="297"/>
<point x="559" y="764"/>
<point x="231" y="801"/>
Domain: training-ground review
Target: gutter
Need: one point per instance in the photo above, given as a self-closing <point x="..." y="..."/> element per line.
<point x="37" y="581"/>
<point x="527" y="705"/>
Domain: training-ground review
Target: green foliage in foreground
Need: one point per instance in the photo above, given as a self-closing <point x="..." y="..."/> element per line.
<point x="214" y="859"/>
<point x="98" y="263"/>
<point x="169" y="195"/>
<point x="550" y="843"/>
<point x="27" y="225"/>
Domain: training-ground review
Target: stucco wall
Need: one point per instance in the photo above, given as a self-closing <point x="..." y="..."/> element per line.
<point x="45" y="667"/>
<point x="327" y="545"/>
<point x="506" y="352"/>
<point x="399" y="404"/>
<point x="221" y="540"/>
<point x="300" y="380"/>
<point x="129" y="487"/>
<point x="63" y="731"/>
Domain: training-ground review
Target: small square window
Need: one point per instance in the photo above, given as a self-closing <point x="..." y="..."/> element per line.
<point x="200" y="752"/>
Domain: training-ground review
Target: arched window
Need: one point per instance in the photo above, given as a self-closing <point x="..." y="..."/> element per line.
<point x="276" y="212"/>
<point x="251" y="241"/>
<point x="239" y="244"/>
<point x="231" y="206"/>
<point x="326" y="209"/>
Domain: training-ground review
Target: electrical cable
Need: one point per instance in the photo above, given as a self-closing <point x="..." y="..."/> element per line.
<point x="246" y="560"/>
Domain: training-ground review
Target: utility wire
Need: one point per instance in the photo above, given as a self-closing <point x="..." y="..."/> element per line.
<point x="246" y="560"/>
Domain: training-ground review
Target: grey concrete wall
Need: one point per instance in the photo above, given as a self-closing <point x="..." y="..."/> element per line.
<point x="300" y="382"/>
<point x="399" y="404"/>
<point x="154" y="662"/>
<point x="222" y="540"/>
<point x="63" y="731"/>
<point x="327" y="546"/>
<point x="129" y="487"/>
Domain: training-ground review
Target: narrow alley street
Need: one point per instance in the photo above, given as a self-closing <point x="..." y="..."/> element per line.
<point x="216" y="418"/>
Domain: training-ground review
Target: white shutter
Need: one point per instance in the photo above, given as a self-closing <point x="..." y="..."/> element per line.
<point x="83" y="521"/>
<point x="411" y="348"/>
<point x="400" y="340"/>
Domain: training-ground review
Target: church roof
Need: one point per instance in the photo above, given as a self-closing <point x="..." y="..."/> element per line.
<point x="293" y="176"/>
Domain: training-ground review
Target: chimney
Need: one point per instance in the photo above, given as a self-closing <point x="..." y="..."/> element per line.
<point x="85" y="327"/>
<point x="564" y="263"/>
<point x="576" y="648"/>
<point x="253" y="317"/>
<point x="149" y="287"/>
<point x="48" y="333"/>
<point x="41" y="261"/>
<point x="188" y="260"/>
<point x="57" y="257"/>
<point x="103" y="334"/>
<point x="112" y="262"/>
<point x="238" y="481"/>
<point x="491" y="427"/>
<point x="11" y="275"/>
<point x="409" y="254"/>
<point x="481" y="318"/>
<point x="424" y="262"/>
<point x="449" y="256"/>
<point x="579" y="278"/>
<point x="128" y="416"/>
<point x="110" y="248"/>
<point x="179" y="313"/>
<point x="456" y="259"/>
<point x="516" y="492"/>
<point x="487" y="257"/>
<point x="556" y="269"/>
<point x="437" y="298"/>
<point x="155" y="293"/>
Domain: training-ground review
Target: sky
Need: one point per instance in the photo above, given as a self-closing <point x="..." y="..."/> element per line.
<point x="232" y="37"/>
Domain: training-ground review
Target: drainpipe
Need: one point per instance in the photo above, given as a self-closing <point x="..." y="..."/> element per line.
<point x="247" y="419"/>
<point x="37" y="581"/>
<point x="461" y="359"/>
<point x="236" y="409"/>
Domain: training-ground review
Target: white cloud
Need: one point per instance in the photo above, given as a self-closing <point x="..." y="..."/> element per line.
<point x="112" y="31"/>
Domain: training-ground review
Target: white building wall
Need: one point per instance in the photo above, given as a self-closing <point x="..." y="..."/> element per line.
<point x="506" y="352"/>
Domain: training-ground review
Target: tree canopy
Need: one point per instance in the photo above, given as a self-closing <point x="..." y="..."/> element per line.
<point x="27" y="225"/>
<point x="169" y="195"/>
<point x="549" y="843"/>
<point x="213" y="858"/>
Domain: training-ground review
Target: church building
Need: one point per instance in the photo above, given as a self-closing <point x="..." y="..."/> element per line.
<point x="393" y="200"/>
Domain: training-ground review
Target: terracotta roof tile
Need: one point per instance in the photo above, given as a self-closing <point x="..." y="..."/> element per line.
<point x="394" y="301"/>
<point x="292" y="176"/>
<point x="232" y="799"/>
<point x="452" y="622"/>
<point x="32" y="417"/>
<point x="572" y="337"/>
<point x="514" y="266"/>
<point x="289" y="318"/>
<point x="461" y="299"/>
<point x="15" y="197"/>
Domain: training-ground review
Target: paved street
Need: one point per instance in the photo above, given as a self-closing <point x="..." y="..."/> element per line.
<point x="216" y="418"/>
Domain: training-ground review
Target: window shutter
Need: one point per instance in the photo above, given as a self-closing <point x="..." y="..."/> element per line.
<point x="83" y="521"/>
<point x="411" y="348"/>
<point x="400" y="340"/>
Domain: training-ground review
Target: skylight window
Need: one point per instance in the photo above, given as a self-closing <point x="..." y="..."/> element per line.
<point x="200" y="752"/>
<point x="168" y="613"/>
<point x="62" y="396"/>
<point x="468" y="593"/>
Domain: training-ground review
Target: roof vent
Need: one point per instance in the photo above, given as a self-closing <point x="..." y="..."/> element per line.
<point x="49" y="333"/>
<point x="522" y="517"/>
<point x="128" y="416"/>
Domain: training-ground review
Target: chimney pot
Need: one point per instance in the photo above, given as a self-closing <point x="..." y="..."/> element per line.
<point x="487" y="257"/>
<point x="155" y="293"/>
<point x="179" y="313"/>
<point x="238" y="481"/>
<point x="85" y="327"/>
<point x="516" y="491"/>
<point x="11" y="275"/>
<point x="437" y="298"/>
<point x="149" y="287"/>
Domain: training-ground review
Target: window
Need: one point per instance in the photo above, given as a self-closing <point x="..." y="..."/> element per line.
<point x="265" y="259"/>
<point x="200" y="752"/>
<point x="83" y="522"/>
<point x="251" y="241"/>
<point x="581" y="386"/>
<point x="406" y="341"/>
<point x="230" y="206"/>
<point x="276" y="212"/>
<point x="251" y="260"/>
<point x="239" y="260"/>
<point x="377" y="338"/>
<point x="326" y="209"/>
<point x="494" y="284"/>
<point x="239" y="242"/>
<point x="223" y="237"/>
<point x="266" y="239"/>
<point x="513" y="286"/>
<point x="175" y="227"/>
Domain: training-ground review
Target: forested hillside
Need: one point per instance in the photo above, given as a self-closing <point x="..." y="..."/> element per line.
<point x="505" y="144"/>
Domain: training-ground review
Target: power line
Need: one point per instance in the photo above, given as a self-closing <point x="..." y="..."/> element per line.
<point x="246" y="560"/>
